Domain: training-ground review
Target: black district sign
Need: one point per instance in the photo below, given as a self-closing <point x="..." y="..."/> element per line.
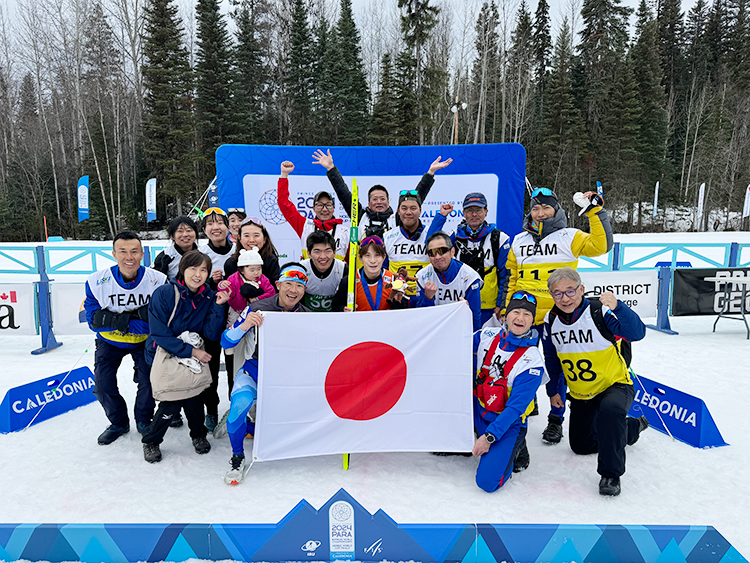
<point x="692" y="295"/>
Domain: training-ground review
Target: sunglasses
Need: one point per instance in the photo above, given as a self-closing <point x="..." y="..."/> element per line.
<point x="371" y="240"/>
<point x="253" y="220"/>
<point x="408" y="192"/>
<point x="543" y="191"/>
<point x="439" y="251"/>
<point x="523" y="295"/>
<point x="569" y="293"/>
<point x="236" y="210"/>
<point x="217" y="210"/>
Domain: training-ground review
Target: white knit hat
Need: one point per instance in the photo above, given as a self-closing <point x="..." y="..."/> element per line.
<point x="249" y="258"/>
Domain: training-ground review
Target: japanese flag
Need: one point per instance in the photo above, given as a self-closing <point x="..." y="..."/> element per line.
<point x="374" y="381"/>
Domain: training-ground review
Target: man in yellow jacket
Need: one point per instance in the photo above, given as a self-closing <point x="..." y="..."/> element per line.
<point x="546" y="244"/>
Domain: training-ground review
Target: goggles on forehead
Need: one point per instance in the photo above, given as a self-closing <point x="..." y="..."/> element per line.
<point x="253" y="220"/>
<point x="293" y="274"/>
<point x="236" y="210"/>
<point x="543" y="191"/>
<point x="217" y="210"/>
<point x="523" y="295"/>
<point x="371" y="240"/>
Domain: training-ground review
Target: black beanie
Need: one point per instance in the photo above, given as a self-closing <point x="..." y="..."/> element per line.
<point x="550" y="200"/>
<point x="520" y="301"/>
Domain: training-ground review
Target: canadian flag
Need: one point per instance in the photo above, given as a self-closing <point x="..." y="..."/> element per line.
<point x="374" y="381"/>
<point x="8" y="297"/>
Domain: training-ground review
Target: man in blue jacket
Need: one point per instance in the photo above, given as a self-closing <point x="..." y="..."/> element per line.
<point x="116" y="308"/>
<point x="481" y="246"/>
<point x="447" y="280"/>
<point x="509" y="374"/>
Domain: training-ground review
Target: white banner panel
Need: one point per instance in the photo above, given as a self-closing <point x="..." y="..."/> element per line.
<point x="17" y="303"/>
<point x="67" y="308"/>
<point x="636" y="288"/>
<point x="383" y="381"/>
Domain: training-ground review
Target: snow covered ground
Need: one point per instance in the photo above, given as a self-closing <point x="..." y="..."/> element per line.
<point x="56" y="472"/>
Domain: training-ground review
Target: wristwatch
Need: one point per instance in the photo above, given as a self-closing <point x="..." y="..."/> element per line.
<point x="490" y="437"/>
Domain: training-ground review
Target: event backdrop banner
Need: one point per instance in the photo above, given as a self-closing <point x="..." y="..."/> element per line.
<point x="365" y="382"/>
<point x="693" y="295"/>
<point x="17" y="309"/>
<point x="247" y="177"/>
<point x="83" y="198"/>
<point x="636" y="288"/>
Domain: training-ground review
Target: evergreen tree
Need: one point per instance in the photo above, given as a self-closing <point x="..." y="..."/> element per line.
<point x="385" y="110"/>
<point x="326" y="107"/>
<point x="670" y="31"/>
<point x="350" y="93"/>
<point x="213" y="85"/>
<point x="652" y="121"/>
<point x="717" y="36"/>
<point x="563" y="147"/>
<point x="250" y="81"/>
<point x="299" y="78"/>
<point x="168" y="123"/>
<point x="739" y="48"/>
<point x="602" y="48"/>
<point x="418" y="18"/>
<point x="407" y="131"/>
<point x="697" y="39"/>
<point x="542" y="44"/>
<point x="520" y="74"/>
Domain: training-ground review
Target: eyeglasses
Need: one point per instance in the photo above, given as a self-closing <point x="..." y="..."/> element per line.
<point x="253" y="220"/>
<point x="439" y="251"/>
<point x="210" y="210"/>
<point x="328" y="205"/>
<point x="523" y="295"/>
<point x="543" y="191"/>
<point x="559" y="294"/>
<point x="408" y="192"/>
<point x="371" y="240"/>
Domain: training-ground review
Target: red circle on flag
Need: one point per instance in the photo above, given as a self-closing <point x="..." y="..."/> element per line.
<point x="365" y="381"/>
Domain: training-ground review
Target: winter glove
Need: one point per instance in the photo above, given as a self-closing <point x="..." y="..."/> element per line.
<point x="141" y="314"/>
<point x="587" y="201"/>
<point x="249" y="291"/>
<point x="107" y="319"/>
<point x="162" y="263"/>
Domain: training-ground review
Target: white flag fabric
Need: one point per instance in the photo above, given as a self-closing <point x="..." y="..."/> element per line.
<point x="373" y="381"/>
<point x="746" y="206"/>
<point x="656" y="199"/>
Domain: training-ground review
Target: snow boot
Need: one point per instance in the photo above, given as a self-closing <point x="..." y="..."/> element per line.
<point x="211" y="421"/>
<point x="642" y="425"/>
<point x="151" y="453"/>
<point x="236" y="473"/>
<point x="201" y="445"/>
<point x="221" y="427"/>
<point x="554" y="431"/>
<point x="176" y="421"/>
<point x="609" y="486"/>
<point x="522" y="460"/>
<point x="112" y="433"/>
<point x="142" y="427"/>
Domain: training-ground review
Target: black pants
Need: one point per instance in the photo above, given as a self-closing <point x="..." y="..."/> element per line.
<point x="107" y="360"/>
<point x="193" y="408"/>
<point x="211" y="394"/>
<point x="601" y="425"/>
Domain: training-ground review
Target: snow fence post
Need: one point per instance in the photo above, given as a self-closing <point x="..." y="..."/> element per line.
<point x="662" y="302"/>
<point x="45" y="310"/>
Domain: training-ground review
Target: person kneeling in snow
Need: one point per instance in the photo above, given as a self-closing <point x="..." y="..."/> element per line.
<point x="512" y="370"/>
<point x="291" y="285"/>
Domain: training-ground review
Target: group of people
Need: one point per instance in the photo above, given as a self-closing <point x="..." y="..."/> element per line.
<point x="527" y="301"/>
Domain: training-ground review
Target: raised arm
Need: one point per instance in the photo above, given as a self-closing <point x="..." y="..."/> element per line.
<point x="290" y="213"/>
<point x="337" y="181"/>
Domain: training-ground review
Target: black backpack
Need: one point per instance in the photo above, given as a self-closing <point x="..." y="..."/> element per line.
<point x="474" y="257"/>
<point x="623" y="346"/>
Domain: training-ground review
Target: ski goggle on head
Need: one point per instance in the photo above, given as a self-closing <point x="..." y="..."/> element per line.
<point x="253" y="220"/>
<point x="523" y="295"/>
<point x="293" y="274"/>
<point x="543" y="191"/>
<point x="371" y="240"/>
<point x="211" y="210"/>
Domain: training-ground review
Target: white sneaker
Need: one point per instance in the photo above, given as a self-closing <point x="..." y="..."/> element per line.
<point x="236" y="473"/>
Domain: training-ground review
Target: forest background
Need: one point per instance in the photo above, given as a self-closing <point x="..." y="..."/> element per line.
<point x="127" y="90"/>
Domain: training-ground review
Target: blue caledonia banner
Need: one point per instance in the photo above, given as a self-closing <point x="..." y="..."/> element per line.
<point x="342" y="530"/>
<point x="673" y="412"/>
<point x="45" y="399"/>
<point x="151" y="200"/>
<point x="247" y="177"/>
<point x="83" y="198"/>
